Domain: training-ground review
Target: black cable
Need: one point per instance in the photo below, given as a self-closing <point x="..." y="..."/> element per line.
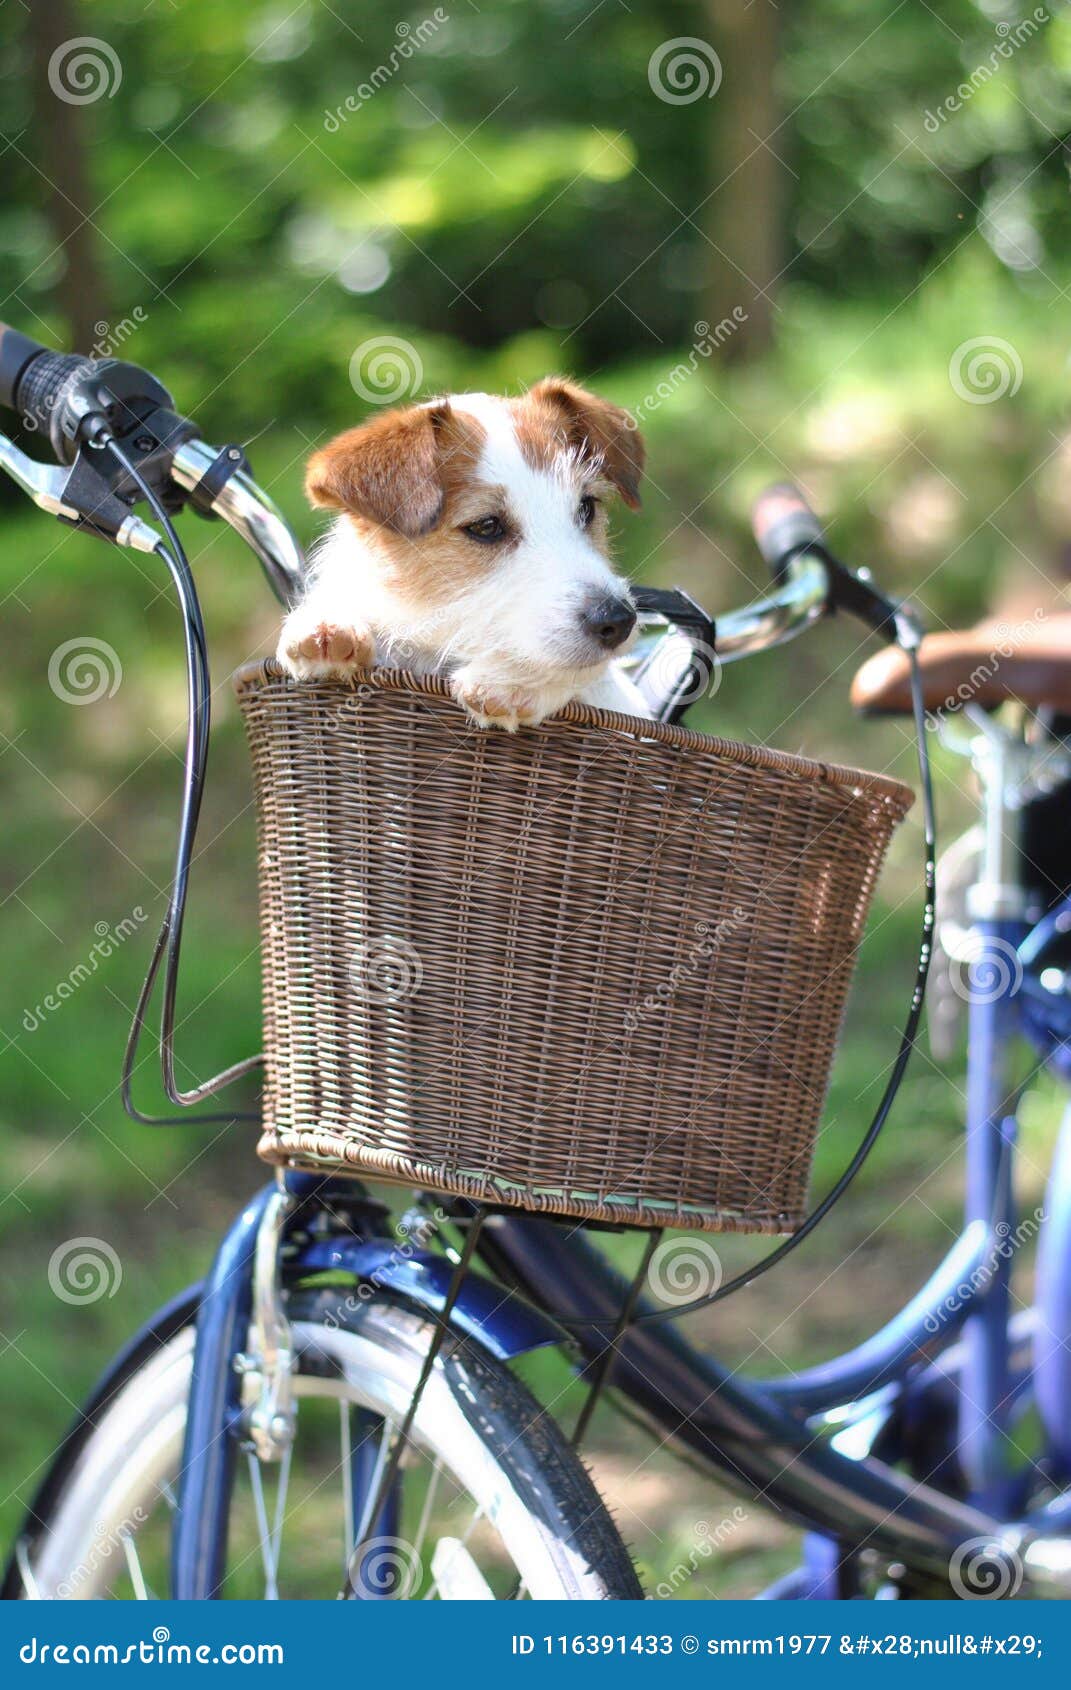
<point x="168" y="946"/>
<point x="907" y="1042"/>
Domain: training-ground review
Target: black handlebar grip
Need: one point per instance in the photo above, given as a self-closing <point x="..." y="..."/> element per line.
<point x="784" y="524"/>
<point x="16" y="351"/>
<point x="39" y="397"/>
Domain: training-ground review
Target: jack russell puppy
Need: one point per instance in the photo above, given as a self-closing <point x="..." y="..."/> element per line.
<point x="471" y="541"/>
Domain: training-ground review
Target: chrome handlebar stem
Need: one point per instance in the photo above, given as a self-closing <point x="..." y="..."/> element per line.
<point x="770" y="621"/>
<point x="251" y="513"/>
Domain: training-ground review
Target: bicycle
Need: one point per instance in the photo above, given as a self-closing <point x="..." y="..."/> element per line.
<point x="343" y="1354"/>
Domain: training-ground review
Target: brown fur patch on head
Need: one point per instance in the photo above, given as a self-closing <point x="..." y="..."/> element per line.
<point x="559" y="415"/>
<point x="399" y="470"/>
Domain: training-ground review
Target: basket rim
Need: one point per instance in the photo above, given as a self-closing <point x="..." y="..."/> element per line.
<point x="251" y="677"/>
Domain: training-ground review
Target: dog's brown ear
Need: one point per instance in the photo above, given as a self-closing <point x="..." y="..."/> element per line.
<point x="387" y="470"/>
<point x="600" y="430"/>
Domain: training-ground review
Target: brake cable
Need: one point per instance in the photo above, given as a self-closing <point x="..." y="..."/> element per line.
<point x="168" y="945"/>
<point x="748" y="1276"/>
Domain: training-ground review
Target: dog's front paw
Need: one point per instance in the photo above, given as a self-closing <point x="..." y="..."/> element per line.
<point x="493" y="704"/>
<point x="310" y="648"/>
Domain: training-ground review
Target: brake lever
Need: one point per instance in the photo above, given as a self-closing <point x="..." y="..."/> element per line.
<point x="45" y="483"/>
<point x="72" y="493"/>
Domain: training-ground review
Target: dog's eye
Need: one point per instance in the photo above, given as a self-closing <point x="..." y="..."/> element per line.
<point x="486" y="528"/>
<point x="585" y="511"/>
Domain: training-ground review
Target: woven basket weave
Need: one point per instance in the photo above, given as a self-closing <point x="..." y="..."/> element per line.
<point x="595" y="969"/>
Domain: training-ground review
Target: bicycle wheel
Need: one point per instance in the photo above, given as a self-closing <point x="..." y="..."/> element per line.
<point x="491" y="1501"/>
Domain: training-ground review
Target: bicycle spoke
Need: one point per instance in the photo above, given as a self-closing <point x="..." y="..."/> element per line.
<point x="133" y="1567"/>
<point x="26" y="1572"/>
<point x="429" y="1503"/>
<point x="346" y="1447"/>
<point x="460" y="1546"/>
<point x="456" y="1575"/>
<point x="280" y="1504"/>
<point x="267" y="1547"/>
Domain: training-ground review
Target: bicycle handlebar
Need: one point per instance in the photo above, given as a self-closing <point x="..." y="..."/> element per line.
<point x="784" y="525"/>
<point x="790" y="538"/>
<point x="72" y="400"/>
<point x="70" y="397"/>
<point x="16" y="351"/>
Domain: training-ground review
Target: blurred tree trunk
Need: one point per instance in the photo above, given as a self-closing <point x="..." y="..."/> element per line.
<point x="745" y="214"/>
<point x="58" y="150"/>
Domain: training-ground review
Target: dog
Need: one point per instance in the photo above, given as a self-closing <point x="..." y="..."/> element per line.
<point x="471" y="540"/>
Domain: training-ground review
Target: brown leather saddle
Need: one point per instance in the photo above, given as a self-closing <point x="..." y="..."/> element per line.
<point x="1028" y="660"/>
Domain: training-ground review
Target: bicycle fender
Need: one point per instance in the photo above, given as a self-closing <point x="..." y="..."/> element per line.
<point x="500" y="1320"/>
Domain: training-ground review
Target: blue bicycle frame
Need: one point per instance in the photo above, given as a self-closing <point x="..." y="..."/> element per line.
<point x="765" y="1437"/>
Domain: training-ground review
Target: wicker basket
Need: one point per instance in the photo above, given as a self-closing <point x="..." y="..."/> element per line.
<point x="595" y="969"/>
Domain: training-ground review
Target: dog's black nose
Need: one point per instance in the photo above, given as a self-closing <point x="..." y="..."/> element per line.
<point x="609" y="621"/>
